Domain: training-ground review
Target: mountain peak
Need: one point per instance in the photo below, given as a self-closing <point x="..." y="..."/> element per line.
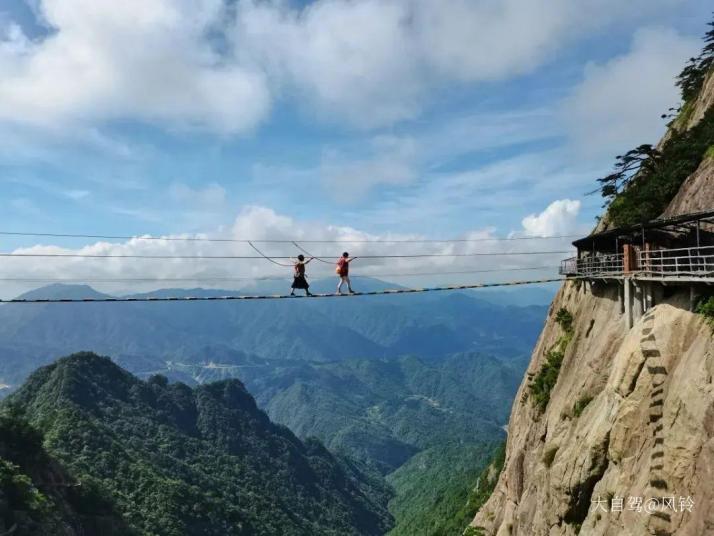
<point x="173" y="442"/>
<point x="57" y="291"/>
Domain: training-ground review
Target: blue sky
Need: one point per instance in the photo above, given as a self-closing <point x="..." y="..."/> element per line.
<point x="389" y="117"/>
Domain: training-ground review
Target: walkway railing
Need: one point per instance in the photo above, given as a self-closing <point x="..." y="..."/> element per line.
<point x="660" y="263"/>
<point x="598" y="266"/>
<point x="680" y="262"/>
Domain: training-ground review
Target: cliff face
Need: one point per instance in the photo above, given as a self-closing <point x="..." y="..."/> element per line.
<point x="630" y="417"/>
<point x="697" y="192"/>
<point x="647" y="432"/>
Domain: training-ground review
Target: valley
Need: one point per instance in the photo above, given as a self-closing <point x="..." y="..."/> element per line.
<point x="414" y="390"/>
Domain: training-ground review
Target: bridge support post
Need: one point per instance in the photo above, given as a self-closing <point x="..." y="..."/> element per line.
<point x="649" y="296"/>
<point x="628" y="301"/>
<point x="639" y="298"/>
<point x="693" y="297"/>
<point x="621" y="297"/>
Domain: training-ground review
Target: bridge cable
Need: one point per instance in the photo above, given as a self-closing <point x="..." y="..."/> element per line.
<point x="268" y="258"/>
<point x="310" y="254"/>
<point x="263" y="256"/>
<point x="287" y="241"/>
<point x="276" y="296"/>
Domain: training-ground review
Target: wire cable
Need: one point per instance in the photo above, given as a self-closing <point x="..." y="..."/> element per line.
<point x="260" y="278"/>
<point x="286" y="241"/>
<point x="310" y="254"/>
<point x="268" y="258"/>
<point x="242" y="297"/>
<point x="262" y="256"/>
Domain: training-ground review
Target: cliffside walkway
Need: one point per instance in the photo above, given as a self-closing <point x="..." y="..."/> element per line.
<point x="241" y="297"/>
<point x="645" y="258"/>
<point x="693" y="264"/>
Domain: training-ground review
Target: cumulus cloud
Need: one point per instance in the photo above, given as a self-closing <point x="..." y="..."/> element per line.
<point x="618" y="104"/>
<point x="374" y="62"/>
<point x="149" y="61"/>
<point x="219" y="65"/>
<point x="354" y="59"/>
<point x="261" y="223"/>
<point x="558" y="219"/>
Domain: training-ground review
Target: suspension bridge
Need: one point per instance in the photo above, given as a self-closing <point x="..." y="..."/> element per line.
<point x="280" y="260"/>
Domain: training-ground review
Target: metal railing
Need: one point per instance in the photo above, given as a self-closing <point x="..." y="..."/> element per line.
<point x="681" y="262"/>
<point x="664" y="263"/>
<point x="597" y="266"/>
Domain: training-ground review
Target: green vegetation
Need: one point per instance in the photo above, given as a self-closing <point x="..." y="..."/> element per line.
<point x="706" y="309"/>
<point x="546" y="378"/>
<point x="565" y="319"/>
<point x="38" y="496"/>
<point x="424" y="423"/>
<point x="436" y="490"/>
<point x="692" y="77"/>
<point x="432" y="397"/>
<point x="397" y="415"/>
<point x="457" y="483"/>
<point x="20" y="494"/>
<point x="486" y="483"/>
<point x="202" y="461"/>
<point x="581" y="404"/>
<point x="645" y="179"/>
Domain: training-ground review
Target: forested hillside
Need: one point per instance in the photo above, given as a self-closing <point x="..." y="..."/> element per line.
<point x="38" y="495"/>
<point x="146" y="335"/>
<point x="392" y="383"/>
<point x="194" y="461"/>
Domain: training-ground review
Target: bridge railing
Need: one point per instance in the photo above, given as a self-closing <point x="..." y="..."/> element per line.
<point x="681" y="262"/>
<point x="664" y="263"/>
<point x="597" y="266"/>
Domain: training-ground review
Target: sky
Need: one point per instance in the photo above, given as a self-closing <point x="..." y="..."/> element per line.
<point x="323" y="120"/>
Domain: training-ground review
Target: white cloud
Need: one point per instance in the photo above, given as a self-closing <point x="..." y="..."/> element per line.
<point x="219" y="65"/>
<point x="558" y="219"/>
<point x="350" y="58"/>
<point x="618" y="104"/>
<point x="150" y="61"/>
<point x="374" y="62"/>
<point x="260" y="223"/>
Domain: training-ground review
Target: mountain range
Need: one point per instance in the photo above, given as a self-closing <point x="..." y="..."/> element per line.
<point x="149" y="334"/>
<point x="413" y="390"/>
<point x="201" y="461"/>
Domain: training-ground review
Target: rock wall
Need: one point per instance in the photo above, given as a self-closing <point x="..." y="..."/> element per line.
<point x="697" y="192"/>
<point x="647" y="433"/>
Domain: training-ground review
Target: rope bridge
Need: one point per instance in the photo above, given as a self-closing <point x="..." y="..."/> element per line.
<point x="278" y="296"/>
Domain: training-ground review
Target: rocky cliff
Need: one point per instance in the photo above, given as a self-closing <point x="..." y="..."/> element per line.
<point x="622" y="443"/>
<point x="631" y="415"/>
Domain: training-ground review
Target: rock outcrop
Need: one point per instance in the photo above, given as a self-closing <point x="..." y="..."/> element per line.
<point x="630" y="417"/>
<point x="625" y="444"/>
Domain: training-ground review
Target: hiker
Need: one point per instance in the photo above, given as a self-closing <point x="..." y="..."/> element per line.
<point x="343" y="270"/>
<point x="299" y="280"/>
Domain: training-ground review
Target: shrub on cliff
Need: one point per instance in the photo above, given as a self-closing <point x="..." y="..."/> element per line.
<point x="547" y="376"/>
<point x="706" y="309"/>
<point x="645" y="179"/>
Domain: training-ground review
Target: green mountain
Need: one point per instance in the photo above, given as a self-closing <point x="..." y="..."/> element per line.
<point x="38" y="495"/>
<point x="199" y="461"/>
<point x="144" y="336"/>
<point x="436" y="494"/>
<point x="428" y="425"/>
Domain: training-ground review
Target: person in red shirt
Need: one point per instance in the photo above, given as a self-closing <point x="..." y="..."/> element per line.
<point x="299" y="280"/>
<point x="343" y="271"/>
